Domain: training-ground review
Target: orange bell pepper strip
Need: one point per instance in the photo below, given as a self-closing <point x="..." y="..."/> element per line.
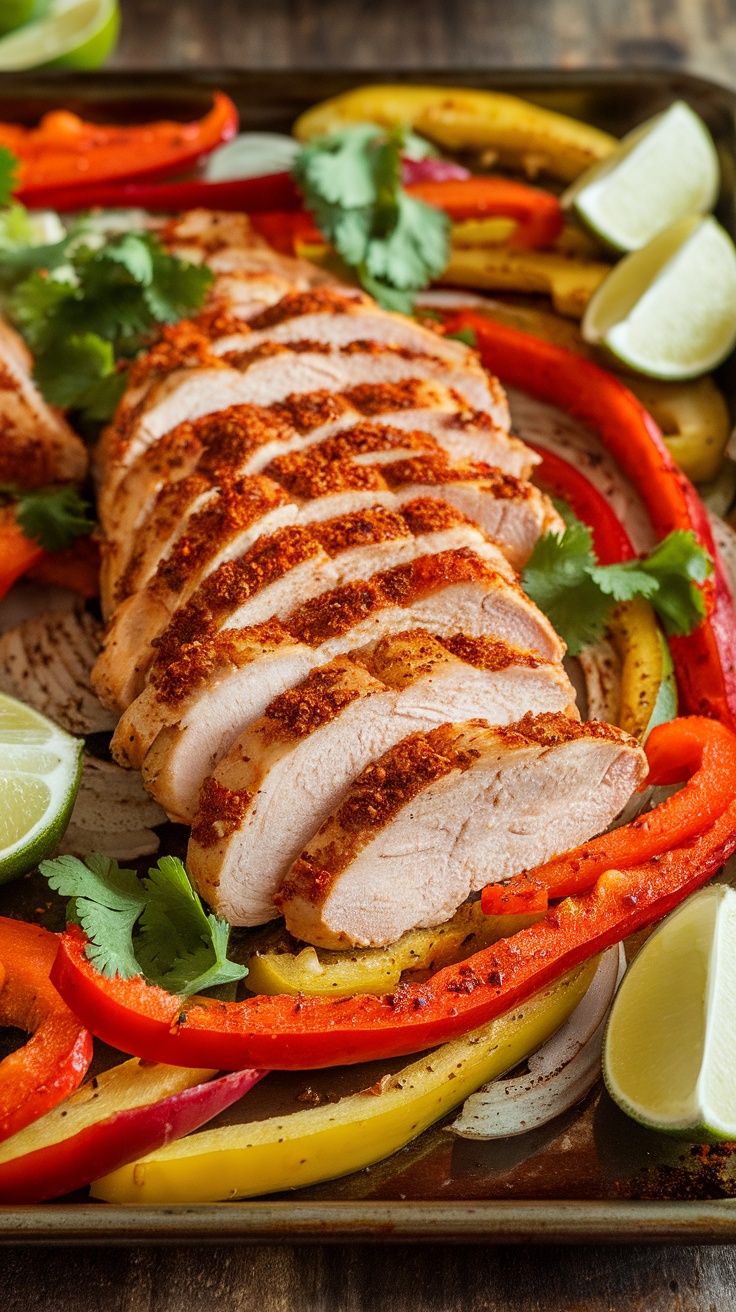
<point x="693" y="748"/>
<point x="300" y="1033"/>
<point x="53" y="1062"/>
<point x="77" y="567"/>
<point x="64" y="151"/>
<point x="538" y="214"/>
<point x="705" y="660"/>
<point x="17" y="554"/>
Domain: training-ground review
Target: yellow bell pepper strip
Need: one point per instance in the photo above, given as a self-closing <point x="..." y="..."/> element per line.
<point x="289" y="1152"/>
<point x="648" y="688"/>
<point x="481" y="232"/>
<point x="286" y="1033"/>
<point x="53" y="1062"/>
<point x="570" y="282"/>
<point x="705" y="660"/>
<point x="506" y="128"/>
<point x="693" y="417"/>
<point x="693" y="748"/>
<point x="131" y="1109"/>
<point x="378" y="970"/>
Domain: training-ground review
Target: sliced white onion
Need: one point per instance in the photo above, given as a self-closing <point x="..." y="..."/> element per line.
<point x="559" y="1074"/>
<point x="252" y="155"/>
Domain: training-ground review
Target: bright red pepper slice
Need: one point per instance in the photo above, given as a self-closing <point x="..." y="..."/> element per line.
<point x="705" y="660"/>
<point x="560" y="479"/>
<point x="701" y="751"/>
<point x="64" y="151"/>
<point x="538" y="214"/>
<point x="247" y="195"/>
<point x="287" y="1033"/>
<point x="52" y="1063"/>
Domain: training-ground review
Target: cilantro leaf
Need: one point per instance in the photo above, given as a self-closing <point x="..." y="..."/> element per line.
<point x="53" y="516"/>
<point x="466" y="335"/>
<point x="65" y="370"/>
<point x="577" y="594"/>
<point x="176" y="288"/>
<point x="155" y="926"/>
<point x="351" y="182"/>
<point x="8" y="175"/>
<point x="678" y="565"/>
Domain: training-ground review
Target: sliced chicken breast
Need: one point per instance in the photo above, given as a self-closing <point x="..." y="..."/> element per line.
<point x="274" y="573"/>
<point x="186" y="718"/>
<point x="443" y="813"/>
<point x="37" y="446"/>
<point x="296" y="762"/>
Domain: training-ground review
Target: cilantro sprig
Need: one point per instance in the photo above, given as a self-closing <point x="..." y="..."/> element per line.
<point x="153" y="926"/>
<point x="351" y="182"/>
<point x="8" y="175"/>
<point x="577" y="594"/>
<point x="51" y="516"/>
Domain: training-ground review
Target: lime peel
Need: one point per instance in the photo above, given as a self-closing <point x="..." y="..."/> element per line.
<point x="669" y="1060"/>
<point x="70" y="34"/>
<point x="40" y="769"/>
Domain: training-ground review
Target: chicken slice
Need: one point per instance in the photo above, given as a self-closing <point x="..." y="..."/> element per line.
<point x="444" y="813"/>
<point x="202" y="693"/>
<point x="295" y="763"/>
<point x="224" y="572"/>
<point x="37" y="444"/>
<point x="47" y="661"/>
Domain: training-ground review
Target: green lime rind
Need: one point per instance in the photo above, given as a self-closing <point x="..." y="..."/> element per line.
<point x="669" y="1061"/>
<point x="77" y="34"/>
<point x="97" y="50"/>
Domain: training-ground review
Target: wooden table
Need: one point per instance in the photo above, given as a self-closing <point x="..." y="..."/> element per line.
<point x="696" y="34"/>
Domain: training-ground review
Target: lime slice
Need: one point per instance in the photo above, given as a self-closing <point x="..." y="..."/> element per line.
<point x="669" y="1059"/>
<point x="71" y="34"/>
<point x="663" y="171"/>
<point x="669" y="310"/>
<point x="40" y="766"/>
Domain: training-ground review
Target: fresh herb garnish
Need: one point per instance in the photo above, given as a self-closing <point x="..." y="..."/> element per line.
<point x="8" y="175"/>
<point x="577" y="594"/>
<point x="91" y="301"/>
<point x="351" y="181"/>
<point x="153" y="926"/>
<point x="466" y="335"/>
<point x="52" y="516"/>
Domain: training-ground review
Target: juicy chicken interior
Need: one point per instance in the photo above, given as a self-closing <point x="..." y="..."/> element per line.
<point x="317" y="643"/>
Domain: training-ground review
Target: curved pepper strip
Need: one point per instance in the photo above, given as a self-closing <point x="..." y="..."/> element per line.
<point x="538" y="213"/>
<point x="17" y="554"/>
<point x="693" y="748"/>
<point x="241" y="195"/>
<point x="65" y="154"/>
<point x="561" y="479"/>
<point x="52" y="1063"/>
<point x="287" y="1033"/>
<point x="705" y="660"/>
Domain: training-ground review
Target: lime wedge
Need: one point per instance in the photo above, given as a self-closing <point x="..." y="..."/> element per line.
<point x="71" y="34"/>
<point x="669" y="1059"/>
<point x="13" y="13"/>
<point x="663" y="171"/>
<point x="669" y="310"/>
<point x="40" y="766"/>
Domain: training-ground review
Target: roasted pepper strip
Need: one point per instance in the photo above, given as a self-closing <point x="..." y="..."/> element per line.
<point x="249" y="195"/>
<point x="17" y="554"/>
<point x="52" y="1063"/>
<point x="693" y="748"/>
<point x="64" y="151"/>
<point x="561" y="479"/>
<point x="286" y="1033"/>
<point x="705" y="660"/>
<point x="319" y="1143"/>
<point x="538" y="214"/>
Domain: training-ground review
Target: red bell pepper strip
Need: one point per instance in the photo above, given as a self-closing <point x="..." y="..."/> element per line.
<point x="288" y="1033"/>
<point x="701" y="751"/>
<point x="560" y="479"/>
<point x="17" y="554"/>
<point x="276" y="191"/>
<point x="52" y="1063"/>
<point x="282" y="229"/>
<point x="705" y="660"/>
<point x="538" y="214"/>
<point x="64" y="151"/>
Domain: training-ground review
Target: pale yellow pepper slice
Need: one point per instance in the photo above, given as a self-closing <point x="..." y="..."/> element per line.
<point x="378" y="970"/>
<point x="290" y="1152"/>
<point x="648" y="688"/>
<point x="569" y="282"/>
<point x="503" y="128"/>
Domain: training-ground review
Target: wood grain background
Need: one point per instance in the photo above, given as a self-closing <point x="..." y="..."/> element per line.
<point x="699" y="35"/>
